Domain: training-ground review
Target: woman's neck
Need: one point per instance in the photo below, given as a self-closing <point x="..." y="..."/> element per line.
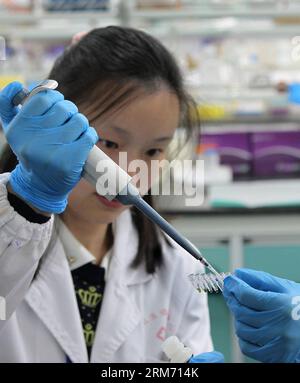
<point x="97" y="239"/>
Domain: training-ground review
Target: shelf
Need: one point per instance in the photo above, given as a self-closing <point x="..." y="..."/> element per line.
<point x="23" y="18"/>
<point x="45" y="34"/>
<point x="268" y="32"/>
<point x="42" y="16"/>
<point x="53" y="25"/>
<point x="199" y="12"/>
<point x="253" y="120"/>
<point x="292" y="210"/>
<point x="256" y="194"/>
<point x="161" y="22"/>
<point x="265" y="196"/>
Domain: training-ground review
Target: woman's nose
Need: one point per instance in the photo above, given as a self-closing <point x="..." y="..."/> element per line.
<point x="132" y="163"/>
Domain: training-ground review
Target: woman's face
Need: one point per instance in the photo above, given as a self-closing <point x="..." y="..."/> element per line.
<point x="142" y="129"/>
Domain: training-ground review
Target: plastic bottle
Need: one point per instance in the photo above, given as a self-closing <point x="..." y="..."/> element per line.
<point x="176" y="351"/>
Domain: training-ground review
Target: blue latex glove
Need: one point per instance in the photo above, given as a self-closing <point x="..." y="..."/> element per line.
<point x="207" y="357"/>
<point x="51" y="141"/>
<point x="267" y="315"/>
<point x="294" y="93"/>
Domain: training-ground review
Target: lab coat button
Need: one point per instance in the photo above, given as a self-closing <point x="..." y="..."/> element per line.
<point x="17" y="243"/>
<point x="71" y="259"/>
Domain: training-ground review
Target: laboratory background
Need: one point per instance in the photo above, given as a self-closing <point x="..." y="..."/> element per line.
<point x="241" y="62"/>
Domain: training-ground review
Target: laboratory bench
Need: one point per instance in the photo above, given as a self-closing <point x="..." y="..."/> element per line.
<point x="265" y="239"/>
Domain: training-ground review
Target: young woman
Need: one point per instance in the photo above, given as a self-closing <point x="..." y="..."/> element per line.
<point x="66" y="252"/>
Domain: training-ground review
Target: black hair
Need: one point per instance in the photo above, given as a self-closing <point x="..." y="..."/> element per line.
<point x="120" y="61"/>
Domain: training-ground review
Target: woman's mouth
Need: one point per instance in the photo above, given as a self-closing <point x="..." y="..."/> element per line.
<point x="114" y="204"/>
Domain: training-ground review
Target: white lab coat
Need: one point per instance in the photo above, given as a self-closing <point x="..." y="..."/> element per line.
<point x="138" y="310"/>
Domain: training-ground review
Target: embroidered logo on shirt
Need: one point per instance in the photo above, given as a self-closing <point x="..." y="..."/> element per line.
<point x="89" y="286"/>
<point x="89" y="334"/>
<point x="89" y="297"/>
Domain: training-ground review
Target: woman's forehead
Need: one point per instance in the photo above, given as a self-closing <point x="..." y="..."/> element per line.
<point x="149" y="113"/>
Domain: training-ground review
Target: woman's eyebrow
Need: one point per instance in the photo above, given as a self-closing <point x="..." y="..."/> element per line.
<point x="166" y="138"/>
<point x="117" y="129"/>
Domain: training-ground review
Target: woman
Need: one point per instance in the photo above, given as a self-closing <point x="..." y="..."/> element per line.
<point x="65" y="251"/>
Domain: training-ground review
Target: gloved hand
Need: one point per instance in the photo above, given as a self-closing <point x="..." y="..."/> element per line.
<point x="267" y="315"/>
<point x="207" y="357"/>
<point x="51" y="141"/>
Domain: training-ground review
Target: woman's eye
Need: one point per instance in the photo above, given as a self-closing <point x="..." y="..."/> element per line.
<point x="108" y="144"/>
<point x="154" y="152"/>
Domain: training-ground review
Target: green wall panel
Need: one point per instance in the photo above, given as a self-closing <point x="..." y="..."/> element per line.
<point x="283" y="261"/>
<point x="219" y="314"/>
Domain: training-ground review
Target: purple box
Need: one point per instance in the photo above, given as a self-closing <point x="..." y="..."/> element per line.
<point x="234" y="150"/>
<point x="276" y="154"/>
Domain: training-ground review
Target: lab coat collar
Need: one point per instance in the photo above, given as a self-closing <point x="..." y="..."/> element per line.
<point x="52" y="297"/>
<point x="120" y="313"/>
<point x="77" y="254"/>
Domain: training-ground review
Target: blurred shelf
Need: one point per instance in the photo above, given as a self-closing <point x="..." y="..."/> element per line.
<point x="53" y="25"/>
<point x="253" y="120"/>
<point x="291" y="210"/>
<point x="245" y="12"/>
<point x="160" y="22"/>
<point x="22" y="18"/>
<point x="77" y="15"/>
<point x="273" y="19"/>
<point x="256" y="194"/>
<point x="224" y="32"/>
<point x="243" y="197"/>
<point x="42" y="16"/>
<point x="44" y="34"/>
